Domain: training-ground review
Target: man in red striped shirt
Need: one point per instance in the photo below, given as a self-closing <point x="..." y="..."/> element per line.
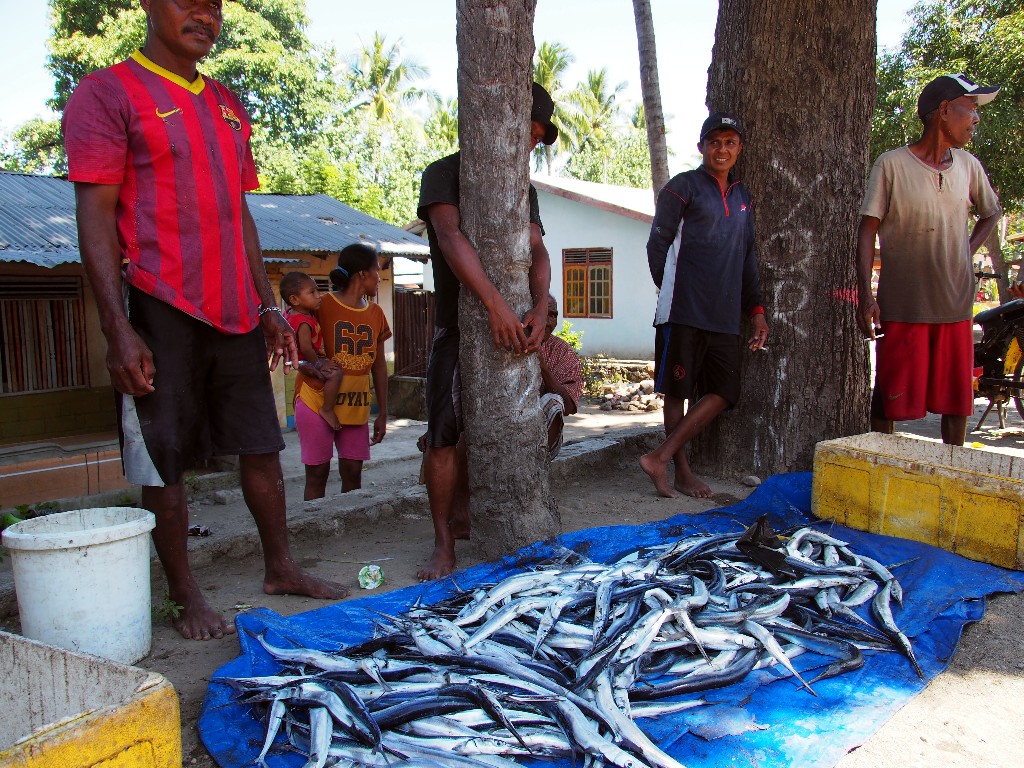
<point x="161" y="162"/>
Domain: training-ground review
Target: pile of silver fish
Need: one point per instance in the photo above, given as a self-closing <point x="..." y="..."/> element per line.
<point x="560" y="661"/>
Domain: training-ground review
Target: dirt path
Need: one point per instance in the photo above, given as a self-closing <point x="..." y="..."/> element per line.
<point x="972" y="715"/>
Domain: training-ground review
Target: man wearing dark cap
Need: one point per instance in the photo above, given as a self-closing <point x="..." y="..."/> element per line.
<point x="456" y="263"/>
<point x="917" y="203"/>
<point x="702" y="259"/>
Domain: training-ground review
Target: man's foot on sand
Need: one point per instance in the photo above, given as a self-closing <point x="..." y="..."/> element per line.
<point x="298" y="582"/>
<point x="441" y="564"/>
<point x="658" y="473"/>
<point x="330" y="417"/>
<point x="694" y="486"/>
<point x="198" y="621"/>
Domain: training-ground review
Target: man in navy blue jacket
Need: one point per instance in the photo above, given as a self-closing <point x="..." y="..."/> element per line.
<point x="701" y="255"/>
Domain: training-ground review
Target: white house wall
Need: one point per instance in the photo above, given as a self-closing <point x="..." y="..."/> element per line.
<point x="628" y="334"/>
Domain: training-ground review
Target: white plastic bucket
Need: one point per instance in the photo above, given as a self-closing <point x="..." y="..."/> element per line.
<point x="82" y="580"/>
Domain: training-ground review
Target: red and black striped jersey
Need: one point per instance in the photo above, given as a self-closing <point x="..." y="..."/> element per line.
<point x="180" y="153"/>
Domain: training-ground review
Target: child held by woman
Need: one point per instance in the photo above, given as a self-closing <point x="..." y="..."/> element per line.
<point x="300" y="294"/>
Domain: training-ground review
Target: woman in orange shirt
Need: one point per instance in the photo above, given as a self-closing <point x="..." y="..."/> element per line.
<point x="354" y="332"/>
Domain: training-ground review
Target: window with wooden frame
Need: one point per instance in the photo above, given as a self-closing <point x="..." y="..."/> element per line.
<point x="42" y="335"/>
<point x="587" y="282"/>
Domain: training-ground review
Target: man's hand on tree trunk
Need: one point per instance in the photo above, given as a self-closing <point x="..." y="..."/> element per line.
<point x="506" y="327"/>
<point x="534" y="322"/>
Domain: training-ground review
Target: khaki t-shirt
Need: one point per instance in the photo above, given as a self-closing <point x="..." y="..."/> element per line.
<point x="926" y="272"/>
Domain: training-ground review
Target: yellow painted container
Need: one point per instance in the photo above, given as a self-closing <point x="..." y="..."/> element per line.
<point x="67" y="710"/>
<point x="966" y="500"/>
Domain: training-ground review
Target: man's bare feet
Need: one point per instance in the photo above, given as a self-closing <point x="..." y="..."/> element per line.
<point x="198" y="621"/>
<point x="298" y="582"/>
<point x="328" y="415"/>
<point x="440" y="564"/>
<point x="656" y="470"/>
<point x="693" y="486"/>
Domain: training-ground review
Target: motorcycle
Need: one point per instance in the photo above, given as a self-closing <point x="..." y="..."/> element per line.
<point x="998" y="358"/>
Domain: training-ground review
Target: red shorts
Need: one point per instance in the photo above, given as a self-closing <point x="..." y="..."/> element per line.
<point x="925" y="367"/>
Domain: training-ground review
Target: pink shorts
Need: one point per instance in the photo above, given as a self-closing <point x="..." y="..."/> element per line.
<point x="926" y="367"/>
<point x="318" y="441"/>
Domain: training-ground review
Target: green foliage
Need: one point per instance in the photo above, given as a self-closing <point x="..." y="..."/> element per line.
<point x="550" y="63"/>
<point x="10" y="518"/>
<point x="571" y="337"/>
<point x="622" y="159"/>
<point x="317" y="128"/>
<point x="381" y="80"/>
<point x="32" y="511"/>
<point x="594" y="110"/>
<point x="263" y="54"/>
<point x="442" y="128"/>
<point x="35" y="146"/>
<point x="166" y="609"/>
<point x="984" y="39"/>
<point x="596" y="374"/>
<point x="25" y="512"/>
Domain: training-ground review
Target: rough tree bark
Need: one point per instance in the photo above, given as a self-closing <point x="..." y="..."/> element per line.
<point x="510" y="502"/>
<point x="651" y="89"/>
<point x="801" y="76"/>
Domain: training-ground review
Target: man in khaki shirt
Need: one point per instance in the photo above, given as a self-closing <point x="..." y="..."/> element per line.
<point x="918" y="202"/>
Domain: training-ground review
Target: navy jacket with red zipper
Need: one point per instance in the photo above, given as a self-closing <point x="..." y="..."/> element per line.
<point x="701" y="253"/>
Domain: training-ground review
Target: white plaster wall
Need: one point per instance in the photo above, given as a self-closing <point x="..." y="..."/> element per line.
<point x="386" y="299"/>
<point x="628" y="334"/>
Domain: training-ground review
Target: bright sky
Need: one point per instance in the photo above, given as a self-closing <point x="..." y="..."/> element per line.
<point x="600" y="33"/>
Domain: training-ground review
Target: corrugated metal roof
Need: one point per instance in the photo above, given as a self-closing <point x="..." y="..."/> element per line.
<point x="37" y="224"/>
<point x="37" y="220"/>
<point x="319" y="223"/>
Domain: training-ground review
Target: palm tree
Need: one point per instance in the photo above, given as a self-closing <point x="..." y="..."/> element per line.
<point x="651" y="90"/>
<point x="442" y="127"/>
<point x="639" y="118"/>
<point x="550" y="63"/>
<point x="381" y="80"/>
<point x="595" y="112"/>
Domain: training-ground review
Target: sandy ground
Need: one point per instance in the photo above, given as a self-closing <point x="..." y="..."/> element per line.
<point x="972" y="715"/>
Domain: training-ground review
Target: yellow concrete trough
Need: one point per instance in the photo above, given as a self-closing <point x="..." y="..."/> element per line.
<point x="60" y="709"/>
<point x="966" y="500"/>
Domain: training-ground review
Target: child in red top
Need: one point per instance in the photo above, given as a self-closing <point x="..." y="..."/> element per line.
<point x="299" y="292"/>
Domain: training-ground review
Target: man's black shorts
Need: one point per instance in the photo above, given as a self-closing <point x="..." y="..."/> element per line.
<point x="444" y="390"/>
<point x="213" y="396"/>
<point x="690" y="363"/>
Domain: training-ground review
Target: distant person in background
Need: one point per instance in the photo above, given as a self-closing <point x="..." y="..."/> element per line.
<point x="562" y="380"/>
<point x="160" y="158"/>
<point x="702" y="259"/>
<point x="355" y="329"/>
<point x="302" y="301"/>
<point x="917" y="203"/>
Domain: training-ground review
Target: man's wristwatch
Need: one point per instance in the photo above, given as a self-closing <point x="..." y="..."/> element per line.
<point x="269" y="308"/>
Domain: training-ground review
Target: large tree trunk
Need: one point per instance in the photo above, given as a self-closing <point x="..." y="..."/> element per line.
<point x="800" y="74"/>
<point x="649" y="86"/>
<point x="510" y="502"/>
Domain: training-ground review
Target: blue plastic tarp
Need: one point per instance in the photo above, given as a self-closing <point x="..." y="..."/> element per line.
<point x="752" y="723"/>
